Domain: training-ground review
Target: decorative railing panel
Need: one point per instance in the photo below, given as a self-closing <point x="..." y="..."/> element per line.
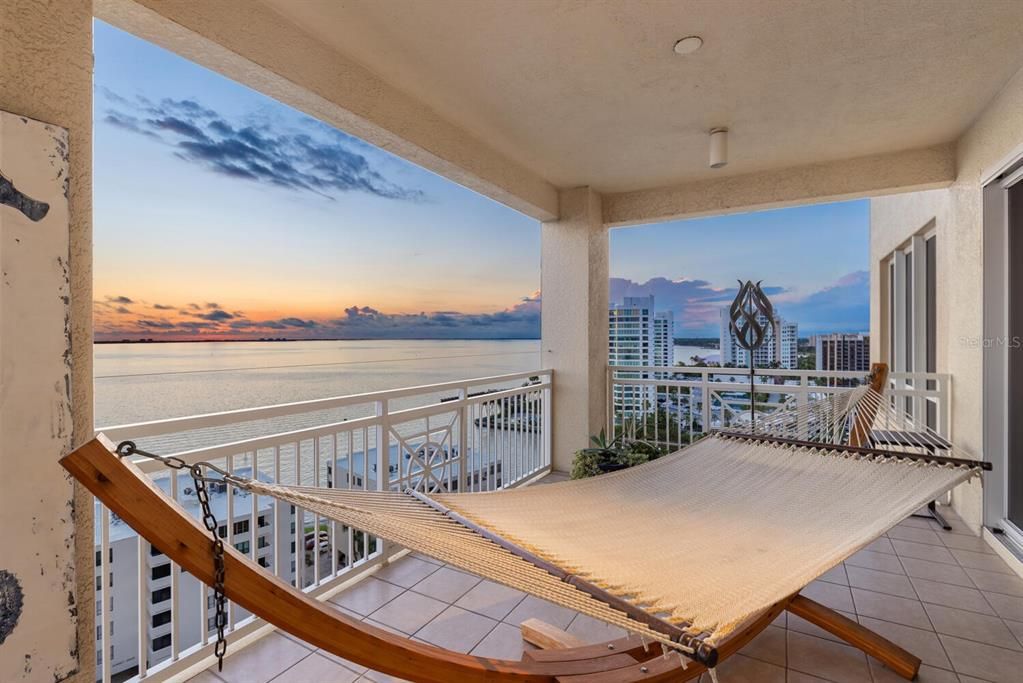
<point x="154" y="620"/>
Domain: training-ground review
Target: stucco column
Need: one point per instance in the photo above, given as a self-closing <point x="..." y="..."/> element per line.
<point x="46" y="352"/>
<point x="574" y="282"/>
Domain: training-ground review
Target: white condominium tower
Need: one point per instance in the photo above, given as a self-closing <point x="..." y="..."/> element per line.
<point x="781" y="345"/>
<point x="639" y="337"/>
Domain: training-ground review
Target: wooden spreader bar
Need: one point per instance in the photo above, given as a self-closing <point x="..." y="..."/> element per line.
<point x="859" y="450"/>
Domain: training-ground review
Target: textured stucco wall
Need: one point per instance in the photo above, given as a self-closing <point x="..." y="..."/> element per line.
<point x="574" y="280"/>
<point x="46" y="74"/>
<point x="248" y="42"/>
<point x="959" y="215"/>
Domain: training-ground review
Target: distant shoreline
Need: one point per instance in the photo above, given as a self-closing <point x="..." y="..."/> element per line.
<point x="282" y="339"/>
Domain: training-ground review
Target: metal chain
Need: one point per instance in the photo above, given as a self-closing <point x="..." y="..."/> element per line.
<point x="209" y="520"/>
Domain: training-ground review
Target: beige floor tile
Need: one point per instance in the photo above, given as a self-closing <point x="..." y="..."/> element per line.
<point x="408" y="612"/>
<point x="1006" y="606"/>
<point x="317" y="668"/>
<point x="923" y="551"/>
<point x="869" y="559"/>
<point x="740" y="669"/>
<point x="768" y="646"/>
<point x="1010" y="584"/>
<point x="503" y="642"/>
<point x="456" y="629"/>
<point x="491" y="599"/>
<point x="800" y="677"/>
<point x="890" y="608"/>
<point x="983" y="661"/>
<point x="367" y="596"/>
<point x="532" y="607"/>
<point x="593" y="630"/>
<point x="205" y="677"/>
<point x="949" y="595"/>
<point x="919" y="523"/>
<point x="928" y="674"/>
<point x="972" y="626"/>
<point x="907" y="533"/>
<point x="406" y="572"/>
<point x="881" y="582"/>
<point x="937" y="571"/>
<point x="881" y="545"/>
<point x="830" y="595"/>
<point x="835" y="575"/>
<point x="446" y="584"/>
<point x="922" y="643"/>
<point x="1016" y="627"/>
<point x="985" y="561"/>
<point x="827" y="659"/>
<point x="357" y="668"/>
<point x="377" y="677"/>
<point x="963" y="542"/>
<point x="263" y="660"/>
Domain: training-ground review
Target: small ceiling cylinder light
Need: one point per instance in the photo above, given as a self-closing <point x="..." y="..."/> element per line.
<point x="718" y="147"/>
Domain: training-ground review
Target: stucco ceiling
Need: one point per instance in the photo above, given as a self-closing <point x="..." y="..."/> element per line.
<point x="589" y="92"/>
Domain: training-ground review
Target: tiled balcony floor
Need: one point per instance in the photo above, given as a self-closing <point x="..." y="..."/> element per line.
<point x="945" y="596"/>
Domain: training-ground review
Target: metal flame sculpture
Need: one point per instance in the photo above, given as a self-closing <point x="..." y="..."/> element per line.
<point x="749" y="307"/>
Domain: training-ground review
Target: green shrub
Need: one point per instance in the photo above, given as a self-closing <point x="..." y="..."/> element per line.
<point x="605" y="456"/>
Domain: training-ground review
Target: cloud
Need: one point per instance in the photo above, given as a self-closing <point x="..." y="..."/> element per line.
<point x="324" y="162"/>
<point x="161" y="307"/>
<point x="119" y="300"/>
<point x="521" y="321"/>
<point x="696" y="304"/>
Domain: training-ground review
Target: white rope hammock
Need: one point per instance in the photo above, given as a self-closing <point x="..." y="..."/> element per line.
<point x="704" y="539"/>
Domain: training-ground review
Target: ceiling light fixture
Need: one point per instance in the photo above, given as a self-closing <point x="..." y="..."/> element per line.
<point x="688" y="45"/>
<point x="718" y="147"/>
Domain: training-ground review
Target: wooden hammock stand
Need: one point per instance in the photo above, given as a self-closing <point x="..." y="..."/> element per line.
<point x="126" y="491"/>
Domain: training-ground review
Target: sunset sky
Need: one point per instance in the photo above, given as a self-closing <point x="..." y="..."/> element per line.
<point x="220" y="213"/>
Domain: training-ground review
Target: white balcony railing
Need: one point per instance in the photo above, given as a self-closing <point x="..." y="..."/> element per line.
<point x="153" y="620"/>
<point x="670" y="406"/>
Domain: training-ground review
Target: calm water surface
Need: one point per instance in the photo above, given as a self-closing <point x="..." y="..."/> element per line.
<point x="139" y="382"/>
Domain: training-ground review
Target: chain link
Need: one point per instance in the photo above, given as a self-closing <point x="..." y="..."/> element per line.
<point x="209" y="520"/>
<point x="198" y="471"/>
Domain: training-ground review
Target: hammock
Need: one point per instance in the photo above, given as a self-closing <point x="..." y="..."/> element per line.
<point x="706" y="539"/>
<point x="693" y="552"/>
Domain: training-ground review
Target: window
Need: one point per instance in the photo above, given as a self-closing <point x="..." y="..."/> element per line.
<point x="222" y="531"/>
<point x="154" y="552"/>
<point x="160" y="595"/>
<point x="160" y="571"/>
<point x="911" y="278"/>
<point x="241" y="527"/>
<point x="264" y="562"/>
<point x="242" y="547"/>
<point x="263" y="542"/>
<point x="99" y="556"/>
<point x="161" y="618"/>
<point x="161" y="642"/>
<point x="262" y="521"/>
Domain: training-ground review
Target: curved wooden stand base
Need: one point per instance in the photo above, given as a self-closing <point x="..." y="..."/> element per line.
<point x="162" y="522"/>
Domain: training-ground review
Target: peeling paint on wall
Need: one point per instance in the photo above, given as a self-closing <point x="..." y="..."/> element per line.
<point x="38" y="639"/>
<point x="11" y="601"/>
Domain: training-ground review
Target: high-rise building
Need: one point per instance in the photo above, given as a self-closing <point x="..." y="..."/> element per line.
<point x="781" y="345"/>
<point x="843" y="352"/>
<point x="639" y="337"/>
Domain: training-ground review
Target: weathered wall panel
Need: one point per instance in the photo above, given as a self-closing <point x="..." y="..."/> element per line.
<point x="35" y="401"/>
